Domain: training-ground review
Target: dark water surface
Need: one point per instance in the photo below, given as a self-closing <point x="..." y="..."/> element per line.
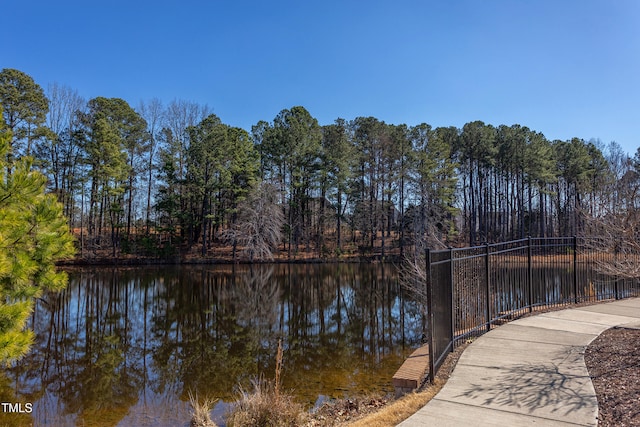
<point x="125" y="346"/>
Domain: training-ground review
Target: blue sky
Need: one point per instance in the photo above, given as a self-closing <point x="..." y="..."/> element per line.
<point x="564" y="67"/>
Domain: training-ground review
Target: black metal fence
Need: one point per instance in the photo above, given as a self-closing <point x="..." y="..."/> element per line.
<point x="471" y="290"/>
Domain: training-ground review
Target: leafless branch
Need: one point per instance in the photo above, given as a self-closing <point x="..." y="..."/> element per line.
<point x="612" y="233"/>
<point x="258" y="228"/>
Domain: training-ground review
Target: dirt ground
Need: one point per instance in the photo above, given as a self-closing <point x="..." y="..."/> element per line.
<point x="613" y="361"/>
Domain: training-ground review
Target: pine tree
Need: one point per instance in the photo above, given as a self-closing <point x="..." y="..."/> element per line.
<point x="25" y="108"/>
<point x="33" y="236"/>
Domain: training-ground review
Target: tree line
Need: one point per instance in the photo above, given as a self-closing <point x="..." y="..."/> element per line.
<point x="167" y="179"/>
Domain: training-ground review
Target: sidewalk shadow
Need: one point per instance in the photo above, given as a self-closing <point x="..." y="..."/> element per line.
<point x="535" y="386"/>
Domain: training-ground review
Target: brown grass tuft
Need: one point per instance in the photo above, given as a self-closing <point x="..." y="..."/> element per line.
<point x="266" y="405"/>
<point x="201" y="417"/>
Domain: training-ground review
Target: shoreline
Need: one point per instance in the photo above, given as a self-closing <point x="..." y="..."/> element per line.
<point x="146" y="261"/>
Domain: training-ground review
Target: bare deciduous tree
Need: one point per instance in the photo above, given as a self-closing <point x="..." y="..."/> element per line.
<point x="414" y="273"/>
<point x="613" y="229"/>
<point x="154" y="113"/>
<point x="258" y="228"/>
<point x="61" y="152"/>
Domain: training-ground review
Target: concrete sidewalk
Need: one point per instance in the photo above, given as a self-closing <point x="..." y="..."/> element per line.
<point x="528" y="372"/>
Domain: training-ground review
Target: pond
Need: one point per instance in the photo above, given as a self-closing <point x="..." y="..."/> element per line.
<point x="126" y="346"/>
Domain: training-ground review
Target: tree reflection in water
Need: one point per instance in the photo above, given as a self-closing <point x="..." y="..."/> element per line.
<point x="126" y="345"/>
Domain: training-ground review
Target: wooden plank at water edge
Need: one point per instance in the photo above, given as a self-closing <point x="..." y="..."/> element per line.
<point x="412" y="372"/>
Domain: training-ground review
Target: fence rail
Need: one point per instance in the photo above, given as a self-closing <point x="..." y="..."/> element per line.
<point x="471" y="290"/>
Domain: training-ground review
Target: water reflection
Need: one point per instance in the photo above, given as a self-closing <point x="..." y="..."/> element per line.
<point x="125" y="346"/>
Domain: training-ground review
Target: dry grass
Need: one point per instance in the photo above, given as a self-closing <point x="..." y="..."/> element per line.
<point x="398" y="410"/>
<point x="262" y="407"/>
<point x="402" y="408"/>
<point x="266" y="405"/>
<point x="201" y="417"/>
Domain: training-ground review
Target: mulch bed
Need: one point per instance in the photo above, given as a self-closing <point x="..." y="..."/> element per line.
<point x="613" y="361"/>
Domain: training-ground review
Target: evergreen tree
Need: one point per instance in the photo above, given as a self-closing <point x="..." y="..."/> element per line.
<point x="221" y="167"/>
<point x="25" y="110"/>
<point x="476" y="154"/>
<point x="575" y="169"/>
<point x="336" y="170"/>
<point x="33" y="236"/>
<point x="434" y="183"/>
<point x="291" y="149"/>
<point x="370" y="138"/>
<point x="541" y="173"/>
<point x="115" y="137"/>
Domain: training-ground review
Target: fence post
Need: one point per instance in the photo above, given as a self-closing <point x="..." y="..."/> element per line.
<point x="487" y="286"/>
<point x="530" y="274"/>
<point x="432" y="362"/>
<point x="453" y="302"/>
<point x="575" y="269"/>
<point x="616" y="278"/>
